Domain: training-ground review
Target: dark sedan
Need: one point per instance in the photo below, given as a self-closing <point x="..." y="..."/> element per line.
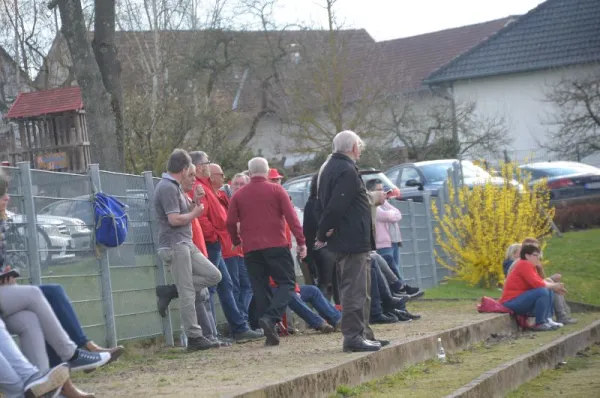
<point x="567" y="181"/>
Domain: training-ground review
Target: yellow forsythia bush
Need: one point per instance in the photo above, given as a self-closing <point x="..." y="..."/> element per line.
<point x="475" y="230"/>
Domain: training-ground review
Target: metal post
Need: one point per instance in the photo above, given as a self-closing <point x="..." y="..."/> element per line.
<point x="161" y="275"/>
<point x="430" y="234"/>
<point x="413" y="229"/>
<point x="35" y="269"/>
<point x="103" y="262"/>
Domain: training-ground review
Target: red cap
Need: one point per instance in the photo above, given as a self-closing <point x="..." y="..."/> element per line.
<point x="274" y="174"/>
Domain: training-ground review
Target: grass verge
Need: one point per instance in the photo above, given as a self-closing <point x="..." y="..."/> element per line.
<point x="435" y="379"/>
<point x="576" y="256"/>
<point x="578" y="377"/>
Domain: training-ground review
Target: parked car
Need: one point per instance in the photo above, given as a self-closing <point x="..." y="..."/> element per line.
<point x="299" y="187"/>
<point x="568" y="181"/>
<point x="414" y="179"/>
<point x="54" y="238"/>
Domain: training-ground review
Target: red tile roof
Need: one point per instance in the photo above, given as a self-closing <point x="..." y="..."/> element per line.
<point x="40" y="103"/>
<point x="410" y="60"/>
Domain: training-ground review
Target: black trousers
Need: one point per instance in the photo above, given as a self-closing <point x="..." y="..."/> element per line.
<point x="277" y="263"/>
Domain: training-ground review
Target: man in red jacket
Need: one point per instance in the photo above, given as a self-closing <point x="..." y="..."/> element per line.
<point x="234" y="258"/>
<point x="262" y="208"/>
<point x="212" y="221"/>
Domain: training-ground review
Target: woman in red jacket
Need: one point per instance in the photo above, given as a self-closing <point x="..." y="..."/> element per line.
<point x="525" y="291"/>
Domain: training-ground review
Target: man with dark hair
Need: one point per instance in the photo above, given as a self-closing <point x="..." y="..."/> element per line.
<point x="191" y="271"/>
<point x="213" y="223"/>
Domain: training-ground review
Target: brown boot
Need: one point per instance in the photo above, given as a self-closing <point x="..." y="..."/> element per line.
<point x="70" y="391"/>
<point x="115" y="353"/>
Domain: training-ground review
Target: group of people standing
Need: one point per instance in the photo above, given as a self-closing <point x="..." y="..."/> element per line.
<point x="236" y="241"/>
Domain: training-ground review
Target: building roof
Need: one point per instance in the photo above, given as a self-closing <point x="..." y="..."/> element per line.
<point x="556" y="33"/>
<point x="39" y="103"/>
<point x="412" y="59"/>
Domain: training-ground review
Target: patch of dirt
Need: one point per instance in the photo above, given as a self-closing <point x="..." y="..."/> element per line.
<point x="227" y="371"/>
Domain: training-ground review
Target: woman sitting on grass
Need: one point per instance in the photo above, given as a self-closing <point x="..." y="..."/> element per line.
<point x="561" y="309"/>
<point x="525" y="291"/>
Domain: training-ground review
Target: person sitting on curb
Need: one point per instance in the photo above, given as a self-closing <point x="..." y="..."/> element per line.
<point x="326" y="320"/>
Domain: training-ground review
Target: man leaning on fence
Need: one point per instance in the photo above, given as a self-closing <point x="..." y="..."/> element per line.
<point x="191" y="271"/>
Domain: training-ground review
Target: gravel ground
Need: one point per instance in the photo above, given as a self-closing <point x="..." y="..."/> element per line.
<point x="226" y="371"/>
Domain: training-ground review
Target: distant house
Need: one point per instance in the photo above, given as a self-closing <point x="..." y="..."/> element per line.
<point x="512" y="71"/>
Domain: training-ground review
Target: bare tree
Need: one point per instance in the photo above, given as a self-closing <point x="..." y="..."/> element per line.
<point x="427" y="127"/>
<point x="575" y="129"/>
<point x="97" y="77"/>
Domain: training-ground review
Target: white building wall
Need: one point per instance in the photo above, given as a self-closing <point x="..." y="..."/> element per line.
<point x="521" y="99"/>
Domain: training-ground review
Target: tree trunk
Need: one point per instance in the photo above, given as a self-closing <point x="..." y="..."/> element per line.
<point x="105" y="51"/>
<point x="100" y="118"/>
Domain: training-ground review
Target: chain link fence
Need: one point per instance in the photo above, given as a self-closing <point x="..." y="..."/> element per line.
<point x="51" y="240"/>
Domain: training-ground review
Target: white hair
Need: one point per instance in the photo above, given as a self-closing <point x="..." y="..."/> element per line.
<point x="344" y="141"/>
<point x="258" y="167"/>
<point x="240" y="175"/>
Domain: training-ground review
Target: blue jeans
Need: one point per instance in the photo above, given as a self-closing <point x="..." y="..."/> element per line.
<point x="538" y="301"/>
<point x="64" y="311"/>
<point x="225" y="290"/>
<point x="398" y="259"/>
<point x="310" y="294"/>
<point x="242" y="288"/>
<point x="388" y="254"/>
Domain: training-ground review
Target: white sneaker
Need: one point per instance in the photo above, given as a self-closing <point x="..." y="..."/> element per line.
<point x="555" y="324"/>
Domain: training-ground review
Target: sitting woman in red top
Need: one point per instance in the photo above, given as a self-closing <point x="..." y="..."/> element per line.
<point x="525" y="291"/>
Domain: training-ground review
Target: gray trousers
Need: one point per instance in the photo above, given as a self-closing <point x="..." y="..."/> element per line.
<point x="15" y="370"/>
<point x="561" y="309"/>
<point x="355" y="288"/>
<point x="193" y="274"/>
<point x="388" y="274"/>
<point x="28" y="314"/>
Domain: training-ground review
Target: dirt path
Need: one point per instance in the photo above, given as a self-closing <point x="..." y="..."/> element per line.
<point x="227" y="371"/>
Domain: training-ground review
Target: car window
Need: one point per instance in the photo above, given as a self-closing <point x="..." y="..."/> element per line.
<point x="557" y="171"/>
<point x="84" y="211"/>
<point x="297" y="186"/>
<point x="393" y="175"/>
<point x="409" y="173"/>
<point x="58" y="209"/>
<point x="438" y="172"/>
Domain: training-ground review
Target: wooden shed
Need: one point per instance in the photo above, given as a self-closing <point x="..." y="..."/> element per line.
<point x="52" y="133"/>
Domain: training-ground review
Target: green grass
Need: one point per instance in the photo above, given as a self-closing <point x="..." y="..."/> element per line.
<point x="434" y="379"/>
<point x="577" y="378"/>
<point x="576" y="256"/>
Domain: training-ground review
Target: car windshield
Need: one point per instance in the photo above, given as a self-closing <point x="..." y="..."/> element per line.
<point x="387" y="183"/>
<point x="438" y="172"/>
<point x="560" y="170"/>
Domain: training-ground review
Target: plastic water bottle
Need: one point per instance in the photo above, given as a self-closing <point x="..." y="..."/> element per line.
<point x="441" y="354"/>
<point x="183" y="340"/>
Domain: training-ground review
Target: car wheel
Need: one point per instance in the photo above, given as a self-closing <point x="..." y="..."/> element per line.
<point x="44" y="249"/>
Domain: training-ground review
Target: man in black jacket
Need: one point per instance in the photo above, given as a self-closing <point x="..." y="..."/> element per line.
<point x="346" y="225"/>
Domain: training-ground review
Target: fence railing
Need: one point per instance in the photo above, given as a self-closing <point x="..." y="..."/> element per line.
<point x="51" y="239"/>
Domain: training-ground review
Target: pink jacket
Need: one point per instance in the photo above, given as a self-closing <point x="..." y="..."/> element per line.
<point x="387" y="217"/>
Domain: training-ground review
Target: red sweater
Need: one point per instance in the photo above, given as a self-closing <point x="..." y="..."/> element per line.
<point x="214" y="216"/>
<point x="262" y="209"/>
<point x="522" y="277"/>
<point x="227" y="250"/>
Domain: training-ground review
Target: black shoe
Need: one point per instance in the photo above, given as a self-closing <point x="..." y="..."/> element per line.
<point x="361" y="346"/>
<point x="411" y="316"/>
<point x="411" y="292"/>
<point x="221" y="343"/>
<point x="165" y="294"/>
<point x="270" y="331"/>
<point x="383" y="343"/>
<point x="200" y="344"/>
<point x="402" y="316"/>
<point x="399" y="302"/>
<point x="248" y="335"/>
<point x="383" y="318"/>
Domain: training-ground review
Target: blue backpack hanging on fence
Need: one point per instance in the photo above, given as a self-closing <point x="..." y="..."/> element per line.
<point x="112" y="221"/>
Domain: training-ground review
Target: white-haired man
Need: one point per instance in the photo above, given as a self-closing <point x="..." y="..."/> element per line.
<point x="262" y="209"/>
<point x="346" y="211"/>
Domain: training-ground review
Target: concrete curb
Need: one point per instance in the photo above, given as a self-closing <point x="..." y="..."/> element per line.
<point x="361" y="368"/>
<point x="510" y="375"/>
<point x="582" y="307"/>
